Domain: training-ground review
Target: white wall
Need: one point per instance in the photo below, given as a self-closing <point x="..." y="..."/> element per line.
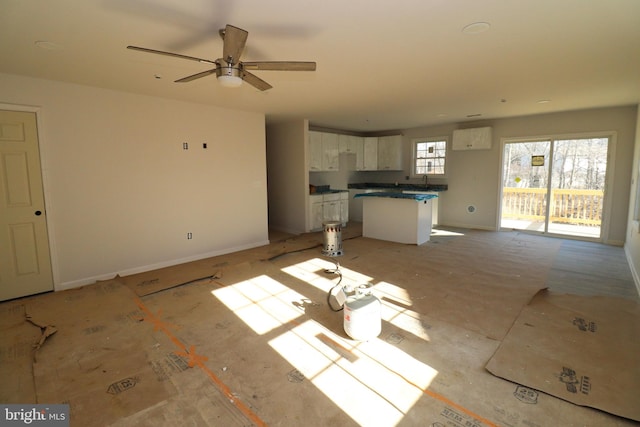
<point x="121" y="193"/>
<point x="474" y="176"/>
<point x="287" y="176"/>
<point x="632" y="244"/>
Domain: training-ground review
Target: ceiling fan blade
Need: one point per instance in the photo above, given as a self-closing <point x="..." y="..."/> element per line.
<point x="234" y="40"/>
<point x="280" y="65"/>
<point x="196" y="76"/>
<point x="175" y="55"/>
<point x="255" y="81"/>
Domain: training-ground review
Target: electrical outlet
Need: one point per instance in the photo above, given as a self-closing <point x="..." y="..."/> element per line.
<point x="185" y="145"/>
<point x="189" y="236"/>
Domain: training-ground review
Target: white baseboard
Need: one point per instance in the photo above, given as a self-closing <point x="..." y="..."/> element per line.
<point x="141" y="269"/>
<point x="284" y="229"/>
<point x="635" y="273"/>
<point x="468" y="226"/>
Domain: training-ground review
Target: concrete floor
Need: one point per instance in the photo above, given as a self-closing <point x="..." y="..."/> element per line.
<point x="258" y="343"/>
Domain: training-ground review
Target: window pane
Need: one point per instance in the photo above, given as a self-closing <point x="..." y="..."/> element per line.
<point x="430" y="157"/>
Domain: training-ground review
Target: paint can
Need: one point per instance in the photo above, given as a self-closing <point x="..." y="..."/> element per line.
<point x="362" y="314"/>
<point x="332" y="238"/>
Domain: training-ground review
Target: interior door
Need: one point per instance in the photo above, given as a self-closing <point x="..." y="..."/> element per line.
<point x="25" y="264"/>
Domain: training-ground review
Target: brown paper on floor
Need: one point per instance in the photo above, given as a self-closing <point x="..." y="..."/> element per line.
<point x="17" y="338"/>
<point x="580" y="349"/>
<point x="99" y="356"/>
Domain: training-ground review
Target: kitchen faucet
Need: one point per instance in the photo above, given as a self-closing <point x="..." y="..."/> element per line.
<point x="424" y="178"/>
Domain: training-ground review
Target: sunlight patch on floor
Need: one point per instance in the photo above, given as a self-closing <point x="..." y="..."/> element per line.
<point x="261" y="302"/>
<point x="371" y="386"/>
<point x="313" y="272"/>
<point x="446" y="233"/>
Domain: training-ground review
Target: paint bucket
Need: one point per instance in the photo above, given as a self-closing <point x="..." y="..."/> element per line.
<point x="362" y="317"/>
<point x="332" y="238"/>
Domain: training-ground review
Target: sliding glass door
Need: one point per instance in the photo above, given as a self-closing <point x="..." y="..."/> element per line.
<point x="525" y="183"/>
<point x="554" y="186"/>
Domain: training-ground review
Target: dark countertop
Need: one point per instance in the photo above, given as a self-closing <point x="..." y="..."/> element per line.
<point x="399" y="187"/>
<point x="323" y="191"/>
<point x="398" y="195"/>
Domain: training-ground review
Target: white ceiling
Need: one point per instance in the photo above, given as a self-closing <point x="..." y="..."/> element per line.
<point x="381" y="64"/>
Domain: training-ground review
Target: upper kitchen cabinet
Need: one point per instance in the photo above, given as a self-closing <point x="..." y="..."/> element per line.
<point x="472" y="139"/>
<point x="349" y="143"/>
<point x="323" y="152"/>
<point x="315" y="151"/>
<point x="390" y="153"/>
<point x="369" y="154"/>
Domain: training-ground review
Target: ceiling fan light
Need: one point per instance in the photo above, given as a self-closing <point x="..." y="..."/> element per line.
<point x="229" y="81"/>
<point x="229" y="76"/>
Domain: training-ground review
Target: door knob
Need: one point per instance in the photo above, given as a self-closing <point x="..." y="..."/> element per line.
<point x="38" y="213"/>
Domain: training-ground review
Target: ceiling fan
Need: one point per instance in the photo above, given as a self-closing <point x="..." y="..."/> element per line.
<point x="229" y="70"/>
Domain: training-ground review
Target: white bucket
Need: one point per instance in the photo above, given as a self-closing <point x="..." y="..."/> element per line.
<point x="362" y="317"/>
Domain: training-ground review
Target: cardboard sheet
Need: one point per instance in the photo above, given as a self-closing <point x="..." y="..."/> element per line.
<point x="99" y="356"/>
<point x="580" y="349"/>
<point x="17" y="339"/>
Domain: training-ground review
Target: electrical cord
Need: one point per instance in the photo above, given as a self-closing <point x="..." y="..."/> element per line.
<point x="336" y="271"/>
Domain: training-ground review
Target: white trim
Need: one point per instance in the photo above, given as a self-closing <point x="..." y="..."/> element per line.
<point x="48" y="199"/>
<point x="634" y="273"/>
<point x="469" y="226"/>
<point x="447" y="149"/>
<point x="135" y="270"/>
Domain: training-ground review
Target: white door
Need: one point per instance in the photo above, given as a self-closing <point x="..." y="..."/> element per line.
<point x="25" y="264"/>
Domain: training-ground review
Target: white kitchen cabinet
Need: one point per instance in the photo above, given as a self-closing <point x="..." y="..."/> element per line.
<point x="315" y="211"/>
<point x="328" y="207"/>
<point x="330" y="152"/>
<point x="315" y="151"/>
<point x="370" y="153"/>
<point x="472" y="139"/>
<point x="344" y="207"/>
<point x="434" y="203"/>
<point x="323" y="152"/>
<point x="331" y="210"/>
<point x="348" y="143"/>
<point x="390" y="153"/>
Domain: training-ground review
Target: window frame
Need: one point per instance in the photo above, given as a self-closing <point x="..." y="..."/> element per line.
<point x="414" y="147"/>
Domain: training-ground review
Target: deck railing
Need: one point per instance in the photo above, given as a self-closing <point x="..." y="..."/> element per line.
<point x="579" y="207"/>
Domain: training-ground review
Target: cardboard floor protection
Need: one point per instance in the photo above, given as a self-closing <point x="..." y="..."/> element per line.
<point x="99" y="355"/>
<point x="17" y="339"/>
<point x="580" y="349"/>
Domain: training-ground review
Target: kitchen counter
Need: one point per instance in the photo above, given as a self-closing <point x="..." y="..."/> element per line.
<point x="399" y="187"/>
<point x="397" y="217"/>
<point x="398" y="195"/>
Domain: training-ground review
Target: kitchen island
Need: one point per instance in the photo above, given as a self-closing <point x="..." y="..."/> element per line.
<point x="397" y="217"/>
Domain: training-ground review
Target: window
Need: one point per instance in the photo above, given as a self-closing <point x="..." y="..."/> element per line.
<point x="429" y="156"/>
